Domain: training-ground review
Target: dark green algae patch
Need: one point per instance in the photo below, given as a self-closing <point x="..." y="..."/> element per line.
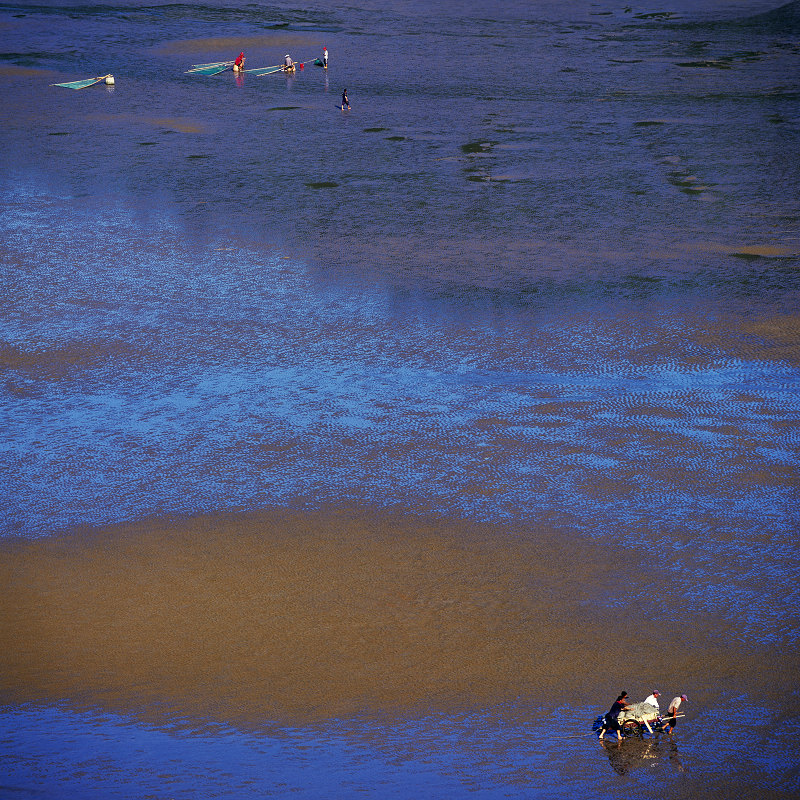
<point x="477" y="147"/>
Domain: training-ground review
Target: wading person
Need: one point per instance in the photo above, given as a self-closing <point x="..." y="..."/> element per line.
<point x="652" y="719"/>
<point x="653" y="698"/>
<point x="345" y="101"/>
<point x="238" y="65"/>
<point x="288" y="64"/>
<point x="672" y="719"/>
<point x="611" y="719"/>
<point x="325" y="57"/>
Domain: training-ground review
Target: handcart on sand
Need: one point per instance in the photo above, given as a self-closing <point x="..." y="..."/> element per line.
<point x="636" y="719"/>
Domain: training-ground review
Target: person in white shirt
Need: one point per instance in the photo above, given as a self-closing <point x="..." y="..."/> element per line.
<point x="650" y="718"/>
<point x="325" y="57"/>
<point x="653" y="698"/>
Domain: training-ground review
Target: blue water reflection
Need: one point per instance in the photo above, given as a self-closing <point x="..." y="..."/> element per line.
<point x="56" y="752"/>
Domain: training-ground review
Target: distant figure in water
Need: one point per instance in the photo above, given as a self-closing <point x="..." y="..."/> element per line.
<point x="238" y="65"/>
<point x="324" y="56"/>
<point x="345" y="101"/>
<point x="288" y="64"/>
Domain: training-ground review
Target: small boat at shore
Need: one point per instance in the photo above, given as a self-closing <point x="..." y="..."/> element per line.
<point x="109" y="79"/>
<point x="213" y="68"/>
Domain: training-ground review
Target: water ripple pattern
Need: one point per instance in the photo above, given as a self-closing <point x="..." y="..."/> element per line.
<point x="172" y="380"/>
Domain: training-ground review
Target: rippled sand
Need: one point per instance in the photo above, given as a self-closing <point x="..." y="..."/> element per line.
<point x="259" y="617"/>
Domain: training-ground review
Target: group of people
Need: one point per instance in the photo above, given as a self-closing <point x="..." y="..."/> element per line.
<point x="287" y="66"/>
<point x="668" y="721"/>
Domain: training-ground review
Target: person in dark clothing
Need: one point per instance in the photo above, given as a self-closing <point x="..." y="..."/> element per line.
<point x="610" y="721"/>
<point x="345" y="101"/>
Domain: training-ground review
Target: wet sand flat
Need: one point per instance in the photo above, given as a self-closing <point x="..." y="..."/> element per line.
<point x="298" y="617"/>
<point x="373" y="452"/>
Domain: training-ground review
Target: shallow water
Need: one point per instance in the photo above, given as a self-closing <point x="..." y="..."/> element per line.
<point x="100" y="755"/>
<point x="386" y="441"/>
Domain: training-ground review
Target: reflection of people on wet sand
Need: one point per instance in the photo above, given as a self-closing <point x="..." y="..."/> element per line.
<point x="616" y="757"/>
<point x="673" y="756"/>
<point x="632" y="753"/>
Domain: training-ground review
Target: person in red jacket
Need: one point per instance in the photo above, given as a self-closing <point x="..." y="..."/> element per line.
<point x="238" y="65"/>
